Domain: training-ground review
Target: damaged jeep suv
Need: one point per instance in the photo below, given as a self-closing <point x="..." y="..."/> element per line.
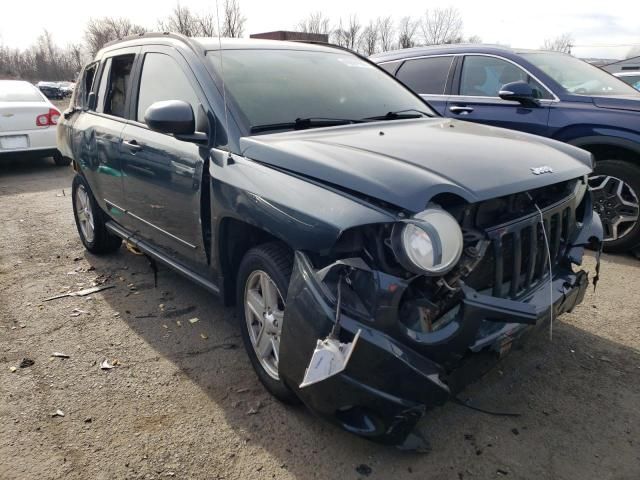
<point x="376" y="251"/>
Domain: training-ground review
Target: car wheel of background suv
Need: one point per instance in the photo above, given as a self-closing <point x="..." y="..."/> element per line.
<point x="615" y="189"/>
<point x="263" y="280"/>
<point x="90" y="219"/>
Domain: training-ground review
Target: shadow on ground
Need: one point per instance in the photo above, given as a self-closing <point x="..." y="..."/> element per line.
<point x="24" y="175"/>
<point x="565" y="389"/>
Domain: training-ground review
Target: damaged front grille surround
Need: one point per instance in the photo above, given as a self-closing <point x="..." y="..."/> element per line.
<point x="504" y="261"/>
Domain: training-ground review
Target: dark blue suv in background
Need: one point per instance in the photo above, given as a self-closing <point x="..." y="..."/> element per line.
<point x="544" y="93"/>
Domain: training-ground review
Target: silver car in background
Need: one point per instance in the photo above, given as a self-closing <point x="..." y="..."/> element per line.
<point x="28" y="122"/>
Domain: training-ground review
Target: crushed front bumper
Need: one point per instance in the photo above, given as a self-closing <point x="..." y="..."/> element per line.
<point x="394" y="375"/>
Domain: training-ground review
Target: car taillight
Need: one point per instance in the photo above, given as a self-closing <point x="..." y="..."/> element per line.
<point x="48" y="119"/>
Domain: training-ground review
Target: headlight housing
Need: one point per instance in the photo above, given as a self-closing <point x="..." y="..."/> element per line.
<point x="430" y="243"/>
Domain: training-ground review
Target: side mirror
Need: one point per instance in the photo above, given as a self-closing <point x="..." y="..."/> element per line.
<point x="171" y="116"/>
<point x="519" y="92"/>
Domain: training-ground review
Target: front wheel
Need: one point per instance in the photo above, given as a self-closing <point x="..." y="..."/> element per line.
<point x="263" y="280"/>
<point x="615" y="189"/>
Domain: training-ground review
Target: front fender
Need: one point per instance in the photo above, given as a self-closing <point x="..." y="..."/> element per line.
<point x="305" y="215"/>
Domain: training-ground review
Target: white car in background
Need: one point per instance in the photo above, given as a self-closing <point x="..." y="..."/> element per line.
<point x="630" y="77"/>
<point x="28" y="122"/>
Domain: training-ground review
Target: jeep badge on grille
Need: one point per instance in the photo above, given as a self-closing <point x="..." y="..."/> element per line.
<point x="541" y="170"/>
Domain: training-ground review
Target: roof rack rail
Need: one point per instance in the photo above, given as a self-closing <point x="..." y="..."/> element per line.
<point x="174" y="35"/>
<point x="330" y="45"/>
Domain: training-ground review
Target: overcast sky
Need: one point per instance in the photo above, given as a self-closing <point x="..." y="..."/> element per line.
<point x="591" y="22"/>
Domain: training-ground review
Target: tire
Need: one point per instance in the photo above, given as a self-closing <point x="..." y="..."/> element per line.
<point x="98" y="240"/>
<point x="60" y="160"/>
<point x="275" y="261"/>
<point x="619" y="236"/>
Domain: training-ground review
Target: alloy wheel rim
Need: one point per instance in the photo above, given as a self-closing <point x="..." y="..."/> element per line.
<point x="264" y="312"/>
<point x="84" y="214"/>
<point x="616" y="203"/>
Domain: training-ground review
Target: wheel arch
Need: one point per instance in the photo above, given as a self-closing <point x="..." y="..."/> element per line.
<point x="235" y="238"/>
<point x="609" y="148"/>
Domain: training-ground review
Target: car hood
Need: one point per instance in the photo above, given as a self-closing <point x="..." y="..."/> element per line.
<point x="407" y="162"/>
<point x="619" y="103"/>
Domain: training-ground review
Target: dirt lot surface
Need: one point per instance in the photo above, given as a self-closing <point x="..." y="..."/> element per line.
<point x="183" y="401"/>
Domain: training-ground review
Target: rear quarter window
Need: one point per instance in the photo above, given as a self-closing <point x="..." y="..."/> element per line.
<point x="426" y="75"/>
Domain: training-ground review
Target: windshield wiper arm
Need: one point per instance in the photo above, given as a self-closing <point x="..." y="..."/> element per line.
<point x="400" y="114"/>
<point x="304" y="123"/>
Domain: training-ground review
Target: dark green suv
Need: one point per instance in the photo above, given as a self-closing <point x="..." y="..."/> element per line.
<point x="347" y="221"/>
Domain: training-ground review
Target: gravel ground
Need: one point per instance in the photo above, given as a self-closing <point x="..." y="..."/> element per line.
<point x="183" y="402"/>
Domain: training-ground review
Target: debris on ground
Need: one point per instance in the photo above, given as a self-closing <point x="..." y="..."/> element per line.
<point x="80" y="293"/>
<point x="255" y="409"/>
<point x="88" y="420"/>
<point x="364" y="469"/>
<point x="26" y="362"/>
<point x="105" y="365"/>
<point x="12" y="369"/>
<point x="60" y="355"/>
<point x="76" y="312"/>
<point x="194" y="320"/>
<point x="204" y="336"/>
<point x="58" y="413"/>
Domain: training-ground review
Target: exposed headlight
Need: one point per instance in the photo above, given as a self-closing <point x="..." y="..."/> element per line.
<point x="430" y="243"/>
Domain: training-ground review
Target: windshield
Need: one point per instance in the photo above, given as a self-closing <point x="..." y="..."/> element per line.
<point x="19" y="92"/>
<point x="578" y="77"/>
<point x="279" y="86"/>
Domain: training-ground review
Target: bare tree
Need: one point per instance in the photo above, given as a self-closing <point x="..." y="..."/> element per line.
<point x="181" y="20"/>
<point x="561" y="43"/>
<point x="441" y="25"/>
<point x="75" y="56"/>
<point x="474" y="39"/>
<point x="233" y="22"/>
<point x="100" y="31"/>
<point x="207" y="25"/>
<point x="315" y="22"/>
<point x="368" y="40"/>
<point x="385" y="33"/>
<point x="633" y="52"/>
<point x="407" y="28"/>
<point x="348" y="36"/>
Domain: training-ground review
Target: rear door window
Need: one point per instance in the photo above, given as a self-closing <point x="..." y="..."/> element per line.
<point x="484" y="77"/>
<point x="115" y="86"/>
<point x="426" y="75"/>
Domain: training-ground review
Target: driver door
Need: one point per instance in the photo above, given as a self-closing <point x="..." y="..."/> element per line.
<point x="476" y="97"/>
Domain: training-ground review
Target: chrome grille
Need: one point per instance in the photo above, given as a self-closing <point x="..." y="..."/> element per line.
<point x="519" y="253"/>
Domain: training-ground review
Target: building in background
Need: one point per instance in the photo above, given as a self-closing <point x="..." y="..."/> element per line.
<point x="286" y="35"/>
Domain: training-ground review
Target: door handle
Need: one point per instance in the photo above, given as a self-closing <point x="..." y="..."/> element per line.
<point x="133" y="145"/>
<point x="460" y="109"/>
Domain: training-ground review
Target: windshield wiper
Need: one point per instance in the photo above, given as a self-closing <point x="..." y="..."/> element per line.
<point x="304" y="123"/>
<point x="400" y="115"/>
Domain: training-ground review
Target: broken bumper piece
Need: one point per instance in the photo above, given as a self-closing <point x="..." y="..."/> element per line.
<point x="394" y="375"/>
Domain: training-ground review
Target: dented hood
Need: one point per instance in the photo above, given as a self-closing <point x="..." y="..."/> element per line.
<point x="407" y="162"/>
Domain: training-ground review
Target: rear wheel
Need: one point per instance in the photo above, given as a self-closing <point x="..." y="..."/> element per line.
<point x="90" y="220"/>
<point x="615" y="189"/>
<point x="263" y="280"/>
